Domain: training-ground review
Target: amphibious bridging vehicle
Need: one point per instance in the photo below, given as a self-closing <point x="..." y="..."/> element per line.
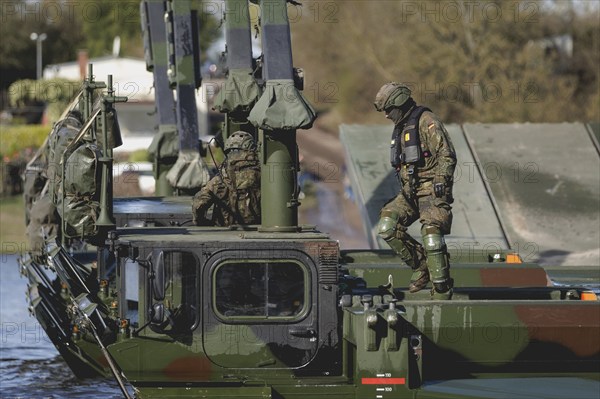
<point x="126" y="287"/>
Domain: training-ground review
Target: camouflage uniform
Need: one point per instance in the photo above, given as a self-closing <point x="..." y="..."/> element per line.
<point x="41" y="216"/>
<point x="234" y="192"/>
<point x="426" y="194"/>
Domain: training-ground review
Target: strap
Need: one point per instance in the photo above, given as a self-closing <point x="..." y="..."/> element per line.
<point x="396" y="148"/>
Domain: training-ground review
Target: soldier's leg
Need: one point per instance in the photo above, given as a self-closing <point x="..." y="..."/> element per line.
<point x="420" y="276"/>
<point x="436" y="217"/>
<point x="437" y="262"/>
<point x="394" y="218"/>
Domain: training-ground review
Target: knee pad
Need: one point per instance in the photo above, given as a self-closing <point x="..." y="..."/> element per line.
<point x="386" y="228"/>
<point x="433" y="240"/>
<point x="434" y="243"/>
<point x="437" y="258"/>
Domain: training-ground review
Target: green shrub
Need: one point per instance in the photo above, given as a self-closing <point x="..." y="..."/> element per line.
<point x="54" y="93"/>
<point x="15" y="138"/>
<point x="139" y="156"/>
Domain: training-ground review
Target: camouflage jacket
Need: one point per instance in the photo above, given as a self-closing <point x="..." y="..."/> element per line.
<point x="234" y="193"/>
<point x="438" y="158"/>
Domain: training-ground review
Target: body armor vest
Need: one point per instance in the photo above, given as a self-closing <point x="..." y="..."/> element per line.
<point x="405" y="147"/>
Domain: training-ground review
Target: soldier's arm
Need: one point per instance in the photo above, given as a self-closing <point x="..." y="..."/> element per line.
<point x="201" y="202"/>
<point x="441" y="147"/>
<point x="443" y="152"/>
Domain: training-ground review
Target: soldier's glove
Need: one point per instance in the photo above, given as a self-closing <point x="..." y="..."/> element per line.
<point x="439" y="189"/>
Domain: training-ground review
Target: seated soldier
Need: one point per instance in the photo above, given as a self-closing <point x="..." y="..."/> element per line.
<point x="234" y="193"/>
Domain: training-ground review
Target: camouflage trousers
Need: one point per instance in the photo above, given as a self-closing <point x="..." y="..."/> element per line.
<point x="430" y="211"/>
<point x="430" y="260"/>
<point x="400" y="212"/>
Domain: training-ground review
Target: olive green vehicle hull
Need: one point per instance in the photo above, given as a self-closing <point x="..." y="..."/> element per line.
<point x="511" y="329"/>
<point x="506" y="322"/>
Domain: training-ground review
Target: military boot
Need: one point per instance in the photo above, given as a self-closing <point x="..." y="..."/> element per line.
<point x="438" y="264"/>
<point x="420" y="276"/>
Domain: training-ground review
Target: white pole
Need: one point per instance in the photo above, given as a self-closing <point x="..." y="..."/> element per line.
<point x="39" y="39"/>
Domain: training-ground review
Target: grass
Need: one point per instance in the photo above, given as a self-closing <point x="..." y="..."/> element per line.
<point x="12" y="225"/>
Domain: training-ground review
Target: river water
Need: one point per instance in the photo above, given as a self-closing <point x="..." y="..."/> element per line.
<point x="30" y="366"/>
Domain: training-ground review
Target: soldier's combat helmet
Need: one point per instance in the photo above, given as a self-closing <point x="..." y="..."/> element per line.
<point x="240" y="140"/>
<point x="390" y="95"/>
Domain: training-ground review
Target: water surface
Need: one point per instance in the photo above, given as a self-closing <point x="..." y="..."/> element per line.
<point x="30" y="366"/>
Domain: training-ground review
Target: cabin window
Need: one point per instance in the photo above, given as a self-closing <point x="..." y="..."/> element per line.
<point x="181" y="287"/>
<point x="260" y="289"/>
<point x="132" y="291"/>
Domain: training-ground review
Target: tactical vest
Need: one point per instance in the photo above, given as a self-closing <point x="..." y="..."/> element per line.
<point x="406" y="145"/>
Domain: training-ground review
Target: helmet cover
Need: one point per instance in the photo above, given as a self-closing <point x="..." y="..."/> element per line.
<point x="240" y="140"/>
<point x="390" y="95"/>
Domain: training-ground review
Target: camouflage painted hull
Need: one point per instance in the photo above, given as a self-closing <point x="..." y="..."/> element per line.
<point x="507" y="327"/>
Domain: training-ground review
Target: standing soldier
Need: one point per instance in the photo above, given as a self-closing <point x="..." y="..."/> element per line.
<point x="234" y="192"/>
<point x="424" y="159"/>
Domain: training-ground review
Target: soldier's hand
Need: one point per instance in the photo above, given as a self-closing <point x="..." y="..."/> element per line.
<point x="439" y="189"/>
